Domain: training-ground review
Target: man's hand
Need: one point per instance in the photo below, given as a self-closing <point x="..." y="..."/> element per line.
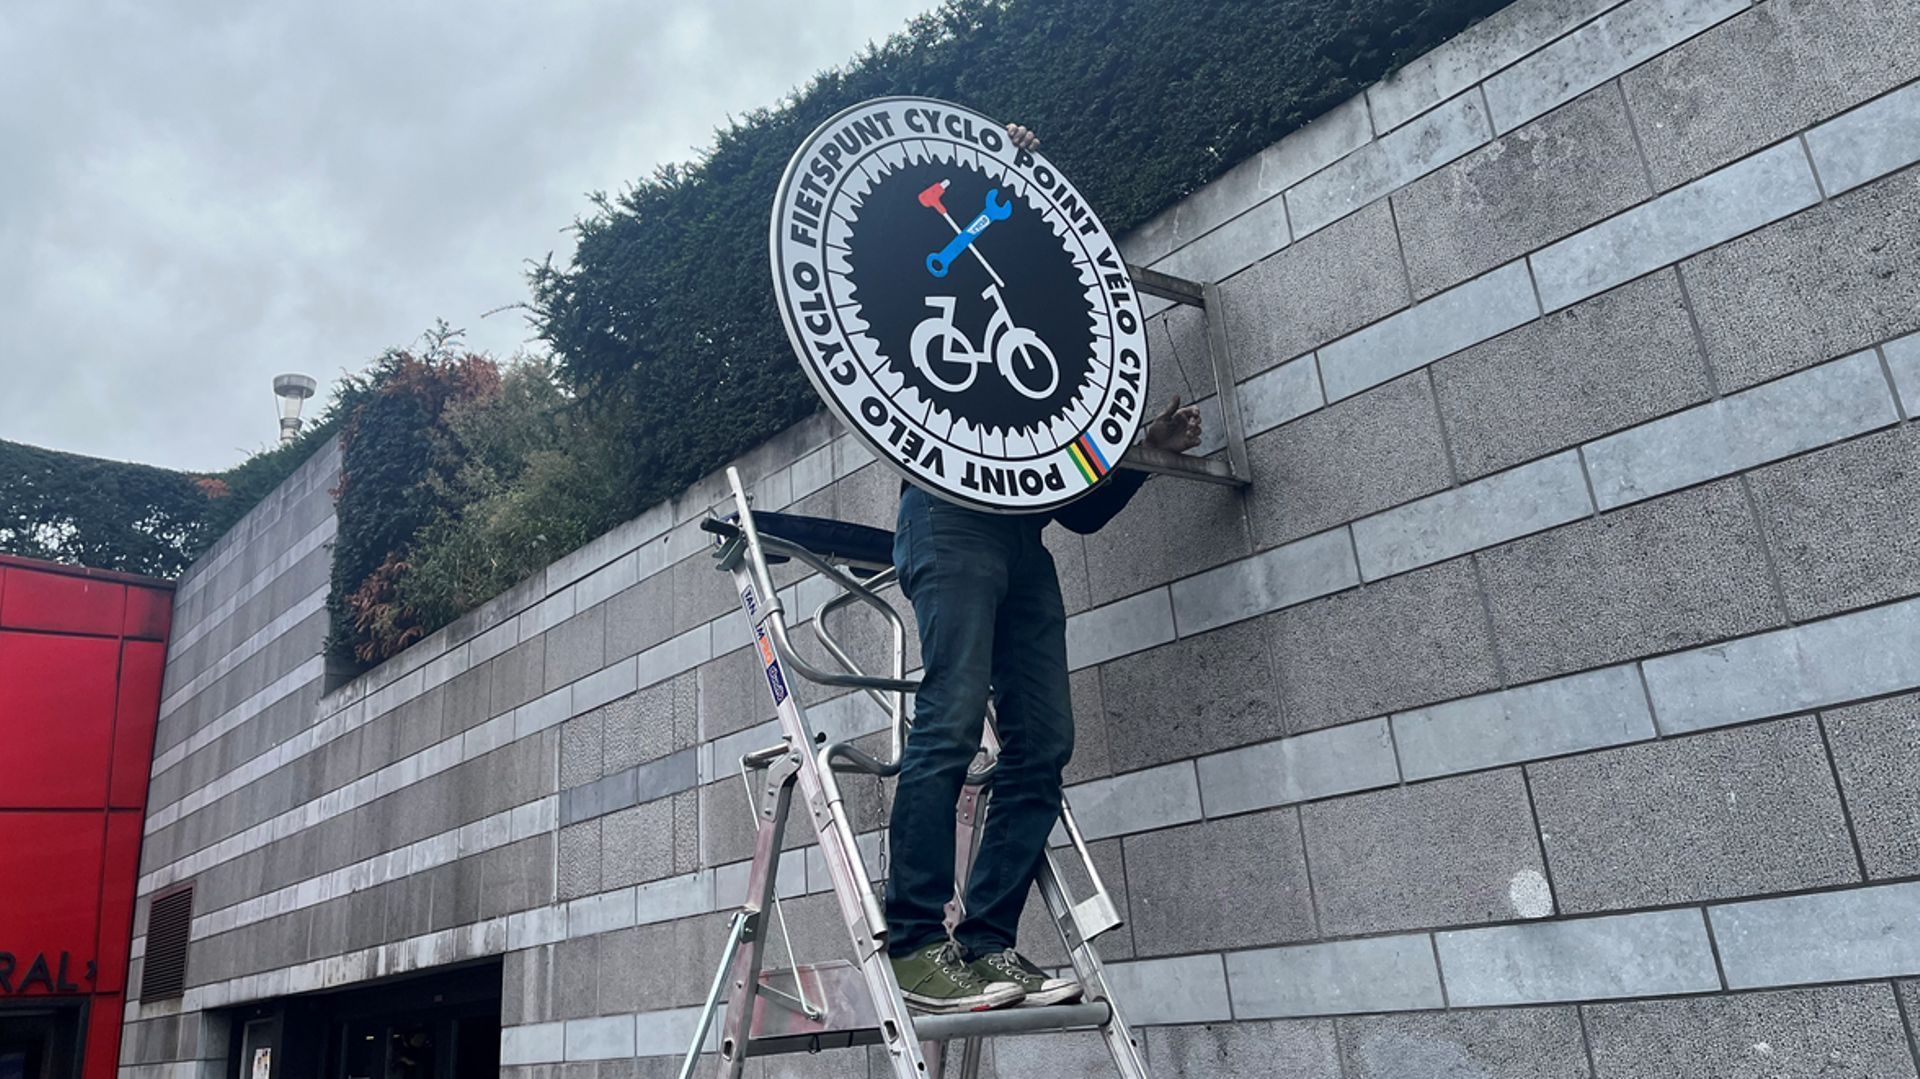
<point x="1022" y="138"/>
<point x="1177" y="429"/>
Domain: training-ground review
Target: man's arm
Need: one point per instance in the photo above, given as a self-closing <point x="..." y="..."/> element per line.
<point x="1177" y="430"/>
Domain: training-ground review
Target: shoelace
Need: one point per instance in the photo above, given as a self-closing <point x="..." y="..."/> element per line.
<point x="949" y="959"/>
<point x="1009" y="963"/>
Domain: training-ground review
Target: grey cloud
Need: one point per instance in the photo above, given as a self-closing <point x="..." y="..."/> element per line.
<point x="195" y="197"/>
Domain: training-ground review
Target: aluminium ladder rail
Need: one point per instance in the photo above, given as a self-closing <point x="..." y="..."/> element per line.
<point x="840" y="1004"/>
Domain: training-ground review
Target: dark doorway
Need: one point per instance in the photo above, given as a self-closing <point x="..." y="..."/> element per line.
<point x="40" y="1042"/>
<point x="444" y="1025"/>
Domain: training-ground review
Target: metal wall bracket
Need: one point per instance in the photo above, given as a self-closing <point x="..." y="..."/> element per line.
<point x="1235" y="471"/>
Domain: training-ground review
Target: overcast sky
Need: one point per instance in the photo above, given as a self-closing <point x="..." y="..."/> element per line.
<point x="195" y="197"/>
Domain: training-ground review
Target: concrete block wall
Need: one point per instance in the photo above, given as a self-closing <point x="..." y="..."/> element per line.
<point x="1550" y="705"/>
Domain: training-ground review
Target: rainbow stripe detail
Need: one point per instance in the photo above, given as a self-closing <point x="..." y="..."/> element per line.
<point x="1088" y="458"/>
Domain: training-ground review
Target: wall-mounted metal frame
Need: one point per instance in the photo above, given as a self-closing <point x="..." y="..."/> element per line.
<point x="1234" y="471"/>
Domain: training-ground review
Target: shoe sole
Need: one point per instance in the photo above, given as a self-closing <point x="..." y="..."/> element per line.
<point x="985" y="1002"/>
<point x="1066" y="994"/>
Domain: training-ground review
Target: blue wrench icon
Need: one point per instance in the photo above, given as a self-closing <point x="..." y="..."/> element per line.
<point x="995" y="209"/>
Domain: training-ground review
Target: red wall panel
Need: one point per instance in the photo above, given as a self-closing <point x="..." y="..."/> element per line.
<point x="57" y="698"/>
<point x="116" y="903"/>
<point x="142" y="663"/>
<point x="58" y="603"/>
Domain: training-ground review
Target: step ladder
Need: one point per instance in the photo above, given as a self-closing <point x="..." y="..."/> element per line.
<point x="835" y="1005"/>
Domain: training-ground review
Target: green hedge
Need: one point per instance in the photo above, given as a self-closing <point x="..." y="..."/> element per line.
<point x="63" y="507"/>
<point x="665" y="317"/>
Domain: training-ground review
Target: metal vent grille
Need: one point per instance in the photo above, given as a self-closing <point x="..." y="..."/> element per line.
<point x="169" y="922"/>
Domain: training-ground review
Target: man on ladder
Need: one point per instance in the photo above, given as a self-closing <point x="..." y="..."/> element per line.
<point x="991" y="620"/>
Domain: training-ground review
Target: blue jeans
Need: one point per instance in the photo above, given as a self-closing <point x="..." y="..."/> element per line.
<point x="987" y="601"/>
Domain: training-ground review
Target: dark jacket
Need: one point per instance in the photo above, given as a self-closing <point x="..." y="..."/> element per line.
<point x="1091" y="513"/>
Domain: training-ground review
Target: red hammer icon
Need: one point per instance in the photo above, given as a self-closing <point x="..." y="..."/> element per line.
<point x="931" y="199"/>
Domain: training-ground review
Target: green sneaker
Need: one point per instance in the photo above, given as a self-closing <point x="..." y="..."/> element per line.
<point x="934" y="980"/>
<point x="1042" y="989"/>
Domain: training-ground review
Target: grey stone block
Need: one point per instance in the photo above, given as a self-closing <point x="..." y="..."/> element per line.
<point x="1903" y="362"/>
<point x="1496" y="42"/>
<point x="1451" y="852"/>
<point x="1182" y="989"/>
<point x="1613" y="361"/>
<point x="1458" y="318"/>
<point x="1763" y="76"/>
<point x="1876" y="750"/>
<point x="1247" y="873"/>
<point x="1091" y="756"/>
<point x="733" y="693"/>
<point x="1827" y="937"/>
<point x="871" y="646"/>
<point x="1627" y="955"/>
<point x="1666" y="574"/>
<point x="1075" y="1055"/>
<point x="640" y="617"/>
<point x="1844" y="1030"/>
<point x="596" y="799"/>
<point x="1254" y="235"/>
<point x="1611" y="44"/>
<point x="1407" y="641"/>
<point x="1561" y="173"/>
<point x="1347" y="460"/>
<point x="1585" y="711"/>
<point x="576" y="647"/>
<point x="1843" y="524"/>
<point x="1372" y="974"/>
<point x="576" y="990"/>
<point x="639" y="727"/>
<point x="580" y="740"/>
<point x="1325" y="286"/>
<point x="1339" y="760"/>
<point x="1727" y="813"/>
<point x="468" y="706"/>
<point x="1253" y="183"/>
<point x="1841" y="659"/>
<point x="686" y="831"/>
<point x="1812" y="408"/>
<point x="1738" y="199"/>
<point x="518" y="675"/>
<point x="605" y="1038"/>
<point x="1273" y="579"/>
<point x="1170" y="530"/>
<point x="1833" y="280"/>
<point x="1501" y="507"/>
<point x="1388" y="163"/>
<point x="516" y="877"/>
<point x="701" y="592"/>
<point x="1512" y="1043"/>
<point x="1265" y="1049"/>
<point x="1192" y="696"/>
<point x="1135" y="802"/>
<point x="1280" y="394"/>
<point x="1118" y="629"/>
<point x="658" y="966"/>
<point x="637" y="844"/>
<point x="579" y="862"/>
<point x="1869" y="142"/>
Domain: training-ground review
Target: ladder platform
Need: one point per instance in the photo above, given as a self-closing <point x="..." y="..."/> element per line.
<point x="1000" y="1022"/>
<point x="847" y="1018"/>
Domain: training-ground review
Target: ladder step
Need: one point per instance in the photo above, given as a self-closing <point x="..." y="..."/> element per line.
<point x="936" y="1028"/>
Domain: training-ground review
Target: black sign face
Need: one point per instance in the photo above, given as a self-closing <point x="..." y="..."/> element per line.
<point x="959" y="305"/>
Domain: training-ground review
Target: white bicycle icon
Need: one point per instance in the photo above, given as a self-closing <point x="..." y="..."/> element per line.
<point x="940" y="350"/>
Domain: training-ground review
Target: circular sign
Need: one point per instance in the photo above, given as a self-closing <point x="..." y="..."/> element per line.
<point x="959" y="306"/>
